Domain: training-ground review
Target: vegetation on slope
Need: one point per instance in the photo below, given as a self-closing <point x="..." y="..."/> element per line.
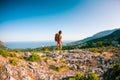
<point x="90" y="76"/>
<point x="113" y="73"/>
<point x="103" y="41"/>
<point x="34" y="57"/>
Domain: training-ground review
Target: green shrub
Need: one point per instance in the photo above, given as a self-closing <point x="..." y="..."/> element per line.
<point x="62" y="59"/>
<point x="4" y="53"/>
<point x="93" y="50"/>
<point x="71" y="79"/>
<point x="1" y="67"/>
<point x="20" y="57"/>
<point x="69" y="47"/>
<point x="13" y="61"/>
<point x="92" y="76"/>
<point x="53" y="67"/>
<point x="23" y="66"/>
<point x="56" y="68"/>
<point x="117" y="78"/>
<point x="79" y="76"/>
<point x="13" y="54"/>
<point x="48" y="58"/>
<point x="45" y="49"/>
<point x="34" y="57"/>
<point x="63" y="65"/>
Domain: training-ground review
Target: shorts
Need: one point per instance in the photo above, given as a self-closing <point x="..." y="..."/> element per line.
<point x="59" y="42"/>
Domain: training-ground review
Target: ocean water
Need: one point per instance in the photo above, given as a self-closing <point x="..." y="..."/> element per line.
<point x="32" y="44"/>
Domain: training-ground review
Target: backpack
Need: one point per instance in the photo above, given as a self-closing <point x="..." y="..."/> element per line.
<point x="56" y="37"/>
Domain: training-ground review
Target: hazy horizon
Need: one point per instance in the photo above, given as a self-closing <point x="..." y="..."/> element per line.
<point x="39" y="20"/>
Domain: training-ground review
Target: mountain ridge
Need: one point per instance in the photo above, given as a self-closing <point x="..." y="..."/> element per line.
<point x="112" y="39"/>
<point x="113" y="36"/>
<point x="95" y="36"/>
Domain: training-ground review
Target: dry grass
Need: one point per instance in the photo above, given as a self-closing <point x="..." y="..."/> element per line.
<point x="107" y="55"/>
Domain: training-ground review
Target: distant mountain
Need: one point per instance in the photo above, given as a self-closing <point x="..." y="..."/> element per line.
<point x="111" y="39"/>
<point x="115" y="36"/>
<point x="95" y="36"/>
<point x="2" y="45"/>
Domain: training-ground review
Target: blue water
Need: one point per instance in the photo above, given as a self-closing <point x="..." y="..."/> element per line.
<point x="34" y="44"/>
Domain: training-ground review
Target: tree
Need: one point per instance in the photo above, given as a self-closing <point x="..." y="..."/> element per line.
<point x="99" y="44"/>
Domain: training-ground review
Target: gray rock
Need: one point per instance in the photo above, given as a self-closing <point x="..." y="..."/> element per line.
<point x="11" y="78"/>
<point x="78" y="67"/>
<point x="33" y="63"/>
<point x="27" y="54"/>
<point x="50" y="77"/>
<point x="73" y="67"/>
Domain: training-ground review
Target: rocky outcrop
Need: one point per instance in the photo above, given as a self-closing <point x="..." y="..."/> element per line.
<point x="72" y="62"/>
<point x="86" y="61"/>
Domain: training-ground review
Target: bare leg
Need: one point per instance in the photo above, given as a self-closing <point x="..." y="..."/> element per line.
<point x="60" y="47"/>
<point x="56" y="47"/>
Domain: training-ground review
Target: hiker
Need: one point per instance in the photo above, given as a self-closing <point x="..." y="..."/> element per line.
<point x="58" y="39"/>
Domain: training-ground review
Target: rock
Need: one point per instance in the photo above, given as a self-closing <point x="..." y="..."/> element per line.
<point x="50" y="77"/>
<point x="73" y="67"/>
<point x="31" y="68"/>
<point x="11" y="78"/>
<point x="98" y="71"/>
<point x="78" y="67"/>
<point x="88" y="61"/>
<point x="33" y="63"/>
<point x="112" y="62"/>
<point x="83" y="61"/>
<point x="8" y="68"/>
<point x="101" y="67"/>
<point x="90" y="70"/>
<point x="27" y="54"/>
<point x="41" y="54"/>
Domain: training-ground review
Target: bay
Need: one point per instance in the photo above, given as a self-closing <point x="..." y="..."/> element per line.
<point x="31" y="44"/>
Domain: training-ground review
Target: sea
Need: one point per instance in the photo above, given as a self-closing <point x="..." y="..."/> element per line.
<point x="32" y="44"/>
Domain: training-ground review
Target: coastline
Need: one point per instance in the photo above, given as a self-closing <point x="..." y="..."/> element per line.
<point x="31" y="44"/>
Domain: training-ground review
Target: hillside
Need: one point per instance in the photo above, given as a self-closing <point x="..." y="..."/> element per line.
<point x="95" y="36"/>
<point x="2" y="45"/>
<point x="114" y="36"/>
<point x="106" y="40"/>
<point x="112" y="39"/>
<point x="17" y="65"/>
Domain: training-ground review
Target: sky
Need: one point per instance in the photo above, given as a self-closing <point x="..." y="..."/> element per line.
<point x="39" y="20"/>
